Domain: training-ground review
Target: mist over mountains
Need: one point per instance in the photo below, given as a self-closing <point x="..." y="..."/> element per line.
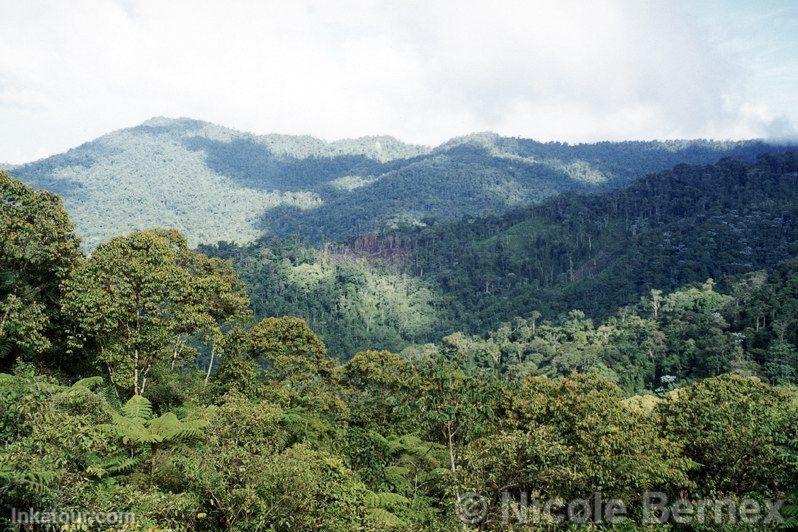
<point x="215" y="183"/>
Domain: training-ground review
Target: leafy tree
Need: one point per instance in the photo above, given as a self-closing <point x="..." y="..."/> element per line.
<point x="458" y="406"/>
<point x="381" y="386"/>
<point x="603" y="445"/>
<point x="38" y="251"/>
<point x="737" y="430"/>
<point x="140" y="299"/>
<point x="290" y="349"/>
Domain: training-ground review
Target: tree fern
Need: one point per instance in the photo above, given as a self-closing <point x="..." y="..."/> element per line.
<point x="137" y="407"/>
<point x="139" y="430"/>
<point x="36" y="481"/>
<point x="89" y="382"/>
<point x="381" y="519"/>
<point x="381" y="508"/>
<point x="99" y="468"/>
<point x="386" y="500"/>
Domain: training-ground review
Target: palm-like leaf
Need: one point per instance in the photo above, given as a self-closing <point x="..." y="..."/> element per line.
<point x="88" y="382"/>
<point x="382" y="519"/>
<point x="131" y="430"/>
<point x="36" y="481"/>
<point x="111" y="466"/>
<point x="137" y="407"/>
<point x="143" y="433"/>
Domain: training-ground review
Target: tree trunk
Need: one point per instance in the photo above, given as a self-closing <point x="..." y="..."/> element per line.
<point x="452" y="464"/>
<point x="153" y="452"/>
<point x="210" y="366"/>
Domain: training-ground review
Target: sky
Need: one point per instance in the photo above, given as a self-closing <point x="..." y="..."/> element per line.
<point x="423" y="71"/>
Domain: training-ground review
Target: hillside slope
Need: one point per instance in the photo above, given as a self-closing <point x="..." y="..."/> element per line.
<point x="215" y="183"/>
<point x="599" y="252"/>
<point x="593" y="252"/>
<point x="210" y="182"/>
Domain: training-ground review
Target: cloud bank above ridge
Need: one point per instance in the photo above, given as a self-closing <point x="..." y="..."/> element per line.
<point x="422" y="71"/>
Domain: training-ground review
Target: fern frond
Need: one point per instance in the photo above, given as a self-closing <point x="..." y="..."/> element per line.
<point x="131" y="430"/>
<point x="382" y="519"/>
<point x="112" y="465"/>
<point x="294" y="416"/>
<point x="397" y="476"/>
<point x="137" y="407"/>
<point x="192" y="428"/>
<point x="165" y="427"/>
<point x="385" y="500"/>
<point x="36" y="481"/>
<point x="88" y="382"/>
<point x="168" y="427"/>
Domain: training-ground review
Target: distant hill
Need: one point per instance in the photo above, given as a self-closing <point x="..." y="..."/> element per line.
<point x="602" y="251"/>
<point x="592" y="252"/>
<point x="210" y="182"/>
<point x="487" y="174"/>
<point x="215" y="183"/>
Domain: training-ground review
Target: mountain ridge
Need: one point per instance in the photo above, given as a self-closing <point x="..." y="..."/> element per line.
<point x="594" y="253"/>
<point x="216" y="183"/>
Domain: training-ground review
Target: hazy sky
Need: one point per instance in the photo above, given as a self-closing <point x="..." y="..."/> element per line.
<point x="422" y="71"/>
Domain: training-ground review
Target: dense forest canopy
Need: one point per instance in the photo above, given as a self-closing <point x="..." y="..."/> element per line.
<point x="214" y="183"/>
<point x="137" y="380"/>
<point x="595" y="253"/>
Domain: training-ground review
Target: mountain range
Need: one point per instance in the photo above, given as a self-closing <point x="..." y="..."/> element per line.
<point x="594" y="253"/>
<point x="218" y="184"/>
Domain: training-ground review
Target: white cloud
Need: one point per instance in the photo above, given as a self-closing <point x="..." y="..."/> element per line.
<point x="421" y="70"/>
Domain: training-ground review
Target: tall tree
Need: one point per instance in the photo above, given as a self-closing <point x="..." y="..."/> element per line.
<point x="38" y="249"/>
<point x="145" y="300"/>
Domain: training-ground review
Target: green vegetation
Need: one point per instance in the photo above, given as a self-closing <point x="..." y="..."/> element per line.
<point x="596" y="253"/>
<point x="38" y="251"/>
<point x="207" y="181"/>
<point x="485" y="173"/>
<point x="212" y="183"/>
<point x="351" y="304"/>
<point x="170" y="400"/>
<point x="663" y="341"/>
<point x="599" y="252"/>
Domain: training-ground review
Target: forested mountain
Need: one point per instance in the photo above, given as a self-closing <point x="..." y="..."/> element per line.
<point x="210" y="182"/>
<point x="214" y="183"/>
<point x="487" y="174"/>
<point x="138" y="392"/>
<point x="598" y="252"/>
<point x="591" y="252"/>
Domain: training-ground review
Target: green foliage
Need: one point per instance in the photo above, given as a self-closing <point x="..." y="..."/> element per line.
<point x="139" y="301"/>
<point x="639" y="349"/>
<point x="216" y="184"/>
<point x="380" y="386"/>
<point x="602" y="251"/>
<point x="286" y="437"/>
<point x="483" y="173"/>
<point x="352" y="304"/>
<point x="738" y="430"/>
<point x="38" y="250"/>
<point x="210" y="182"/>
<point x="592" y="252"/>
<point x="139" y="430"/>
